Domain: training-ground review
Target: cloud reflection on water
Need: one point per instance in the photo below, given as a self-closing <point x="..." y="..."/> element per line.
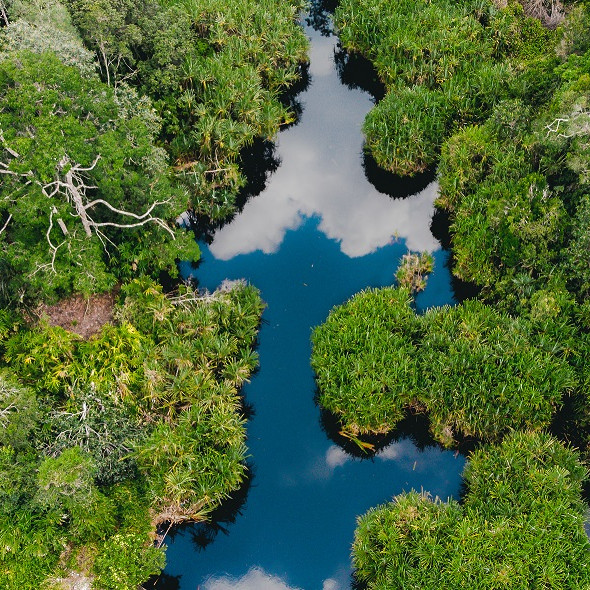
<point x="321" y="176"/>
<point x="255" y="579"/>
<point x="403" y="452"/>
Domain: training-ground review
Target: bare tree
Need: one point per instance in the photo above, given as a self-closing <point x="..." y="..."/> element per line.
<point x="3" y="13"/>
<point x="72" y="184"/>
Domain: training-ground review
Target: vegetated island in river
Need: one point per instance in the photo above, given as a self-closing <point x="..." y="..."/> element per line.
<point x="497" y="94"/>
<point x="119" y="412"/>
<point x="116" y="117"/>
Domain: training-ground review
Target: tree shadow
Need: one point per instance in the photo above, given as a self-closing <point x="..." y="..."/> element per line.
<point x="414" y="426"/>
<point x="319" y="16"/>
<point x="202" y="534"/>
<point x="290" y="97"/>
<point x="162" y="582"/>
<point x="393" y="185"/>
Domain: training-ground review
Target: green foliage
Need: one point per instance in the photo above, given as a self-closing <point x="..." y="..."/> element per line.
<point x="412" y="270"/>
<point x="44" y="26"/>
<point x="445" y="66"/>
<point x="365" y="360"/>
<point x="215" y="71"/>
<point x="477" y="372"/>
<point x="521" y="526"/>
<point x="578" y="250"/>
<point x="19" y="414"/>
<point x="126" y="562"/>
<point x="139" y="425"/>
<point x="484" y="373"/>
<point x="71" y="163"/>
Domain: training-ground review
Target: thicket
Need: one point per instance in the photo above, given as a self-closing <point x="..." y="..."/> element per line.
<point x="445" y="65"/>
<point x="216" y="71"/>
<point x="476" y="371"/>
<point x="102" y="440"/>
<point x="520" y="525"/>
<point x="502" y="99"/>
<point x="89" y="196"/>
<point x="85" y="199"/>
<point x="516" y="188"/>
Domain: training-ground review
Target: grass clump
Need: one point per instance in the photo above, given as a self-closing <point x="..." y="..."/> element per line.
<point x="413" y="269"/>
<point x="364" y="359"/>
<point x="521" y="525"/>
<point x="477" y="372"/>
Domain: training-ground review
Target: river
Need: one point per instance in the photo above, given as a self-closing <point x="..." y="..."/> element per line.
<point x="318" y="233"/>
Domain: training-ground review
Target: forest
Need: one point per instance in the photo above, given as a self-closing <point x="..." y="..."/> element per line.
<point x="124" y="126"/>
<point x="116" y="119"/>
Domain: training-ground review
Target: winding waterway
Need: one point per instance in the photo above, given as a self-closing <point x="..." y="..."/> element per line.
<point x="318" y="233"/>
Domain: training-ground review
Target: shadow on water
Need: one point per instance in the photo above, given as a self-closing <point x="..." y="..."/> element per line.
<point x="319" y="16"/>
<point x="290" y="98"/>
<point x="415" y="426"/>
<point x="163" y="582"/>
<point x="257" y="162"/>
<point x="391" y="184"/>
<point x="202" y="534"/>
<point x="358" y="73"/>
<point x="440" y="228"/>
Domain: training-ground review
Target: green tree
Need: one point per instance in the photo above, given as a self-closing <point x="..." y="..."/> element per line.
<point x="85" y="198"/>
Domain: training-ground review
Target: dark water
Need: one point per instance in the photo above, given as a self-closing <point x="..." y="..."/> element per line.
<point x="319" y="233"/>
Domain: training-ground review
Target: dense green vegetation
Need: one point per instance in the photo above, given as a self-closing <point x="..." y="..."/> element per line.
<point x="476" y="371"/>
<point x="103" y="439"/>
<point x="88" y="196"/>
<point x="521" y="525"/>
<point x="215" y="71"/>
<point x="444" y="64"/>
<point x="116" y="117"/>
<point x="499" y="92"/>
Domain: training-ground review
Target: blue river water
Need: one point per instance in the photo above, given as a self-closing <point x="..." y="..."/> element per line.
<point x="316" y="235"/>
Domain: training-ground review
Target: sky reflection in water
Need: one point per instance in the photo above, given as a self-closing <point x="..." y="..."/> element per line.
<point x="310" y="181"/>
<point x="319" y="233"/>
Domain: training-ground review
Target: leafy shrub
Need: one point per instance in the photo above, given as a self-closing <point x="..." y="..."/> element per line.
<point x="476" y="371"/>
<point x="521" y="526"/>
<point x="126" y="561"/>
<point x="445" y="66"/>
<point x="366" y="361"/>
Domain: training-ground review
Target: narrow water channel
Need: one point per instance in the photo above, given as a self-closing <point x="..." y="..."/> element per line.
<point x="317" y="234"/>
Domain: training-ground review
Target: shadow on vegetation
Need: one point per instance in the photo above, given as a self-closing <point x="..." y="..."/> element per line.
<point x="355" y="583"/>
<point x="568" y="425"/>
<point x="319" y="16"/>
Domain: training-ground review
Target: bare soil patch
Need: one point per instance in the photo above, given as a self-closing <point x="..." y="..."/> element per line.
<point x="83" y="316"/>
